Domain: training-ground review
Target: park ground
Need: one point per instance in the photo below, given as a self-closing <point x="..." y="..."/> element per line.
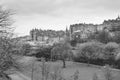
<point x="86" y="72"/>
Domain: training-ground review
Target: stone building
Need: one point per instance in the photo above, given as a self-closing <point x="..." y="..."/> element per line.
<point x="112" y="24"/>
<point x="83" y="29"/>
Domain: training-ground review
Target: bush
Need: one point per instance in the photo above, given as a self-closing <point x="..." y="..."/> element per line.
<point x="25" y="49"/>
<point x="116" y="37"/>
<point x="89" y="51"/>
<point x="44" y="52"/>
<point x="7" y="60"/>
<point x="110" y="51"/>
<point x="98" y="53"/>
<point x="101" y="36"/>
<point x="73" y="43"/>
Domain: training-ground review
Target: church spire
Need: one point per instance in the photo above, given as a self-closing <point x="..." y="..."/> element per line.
<point x="67" y="32"/>
<point x="118" y="18"/>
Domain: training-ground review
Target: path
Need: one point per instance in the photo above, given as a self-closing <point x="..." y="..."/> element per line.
<point x="19" y="76"/>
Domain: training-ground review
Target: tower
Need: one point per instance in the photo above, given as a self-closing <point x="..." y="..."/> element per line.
<point x="67" y="33"/>
<point x="118" y="18"/>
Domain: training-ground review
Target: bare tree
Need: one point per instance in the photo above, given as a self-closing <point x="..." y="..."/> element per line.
<point x="6" y="22"/>
<point x="6" y="44"/>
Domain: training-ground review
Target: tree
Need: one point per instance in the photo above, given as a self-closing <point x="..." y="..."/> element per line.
<point x="6" y="43"/>
<point x="44" y="51"/>
<point x="103" y="36"/>
<point x="116" y="37"/>
<point x="110" y="51"/>
<point x="7" y="60"/>
<point x="73" y="43"/>
<point x="25" y="49"/>
<point x="62" y="51"/>
<point x="89" y="52"/>
<point x="5" y="22"/>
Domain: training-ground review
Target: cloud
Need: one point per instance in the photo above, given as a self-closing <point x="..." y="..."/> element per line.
<point x="61" y="12"/>
<point x="62" y="7"/>
<point x="34" y="6"/>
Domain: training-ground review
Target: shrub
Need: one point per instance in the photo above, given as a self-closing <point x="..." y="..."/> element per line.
<point x="117" y="60"/>
<point x="73" y="43"/>
<point x="25" y="49"/>
<point x="110" y="51"/>
<point x="116" y="37"/>
<point x="44" y="51"/>
<point x="101" y="36"/>
<point x="89" y="51"/>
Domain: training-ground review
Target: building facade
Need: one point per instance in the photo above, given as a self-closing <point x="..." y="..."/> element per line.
<point x="83" y="29"/>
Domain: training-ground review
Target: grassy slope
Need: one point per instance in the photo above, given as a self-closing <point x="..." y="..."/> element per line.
<point x="85" y="72"/>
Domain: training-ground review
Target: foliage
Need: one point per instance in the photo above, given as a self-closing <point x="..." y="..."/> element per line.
<point x="6" y="45"/>
<point x="101" y="36"/>
<point x="116" y="37"/>
<point x="92" y="36"/>
<point x="25" y="49"/>
<point x="110" y="50"/>
<point x="6" y="56"/>
<point x="73" y="43"/>
<point x="105" y="36"/>
<point x="44" y="51"/>
<point x="61" y="51"/>
<point x="98" y="53"/>
<point x="88" y="51"/>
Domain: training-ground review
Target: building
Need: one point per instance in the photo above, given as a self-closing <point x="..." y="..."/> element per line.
<point x="82" y="30"/>
<point x="112" y="24"/>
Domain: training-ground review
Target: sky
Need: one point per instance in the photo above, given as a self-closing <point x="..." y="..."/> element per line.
<point x="59" y="14"/>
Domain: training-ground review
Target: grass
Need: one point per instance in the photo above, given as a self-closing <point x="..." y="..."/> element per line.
<point x="86" y="72"/>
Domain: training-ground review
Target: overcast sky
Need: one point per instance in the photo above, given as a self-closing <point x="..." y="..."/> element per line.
<point x="57" y="14"/>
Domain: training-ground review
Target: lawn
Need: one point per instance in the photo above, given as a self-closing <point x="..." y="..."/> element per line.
<point x="86" y="72"/>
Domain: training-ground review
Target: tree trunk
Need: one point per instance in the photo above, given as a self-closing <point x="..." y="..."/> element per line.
<point x="88" y="62"/>
<point x="64" y="64"/>
<point x="59" y="38"/>
<point x="51" y="57"/>
<point x="32" y="72"/>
